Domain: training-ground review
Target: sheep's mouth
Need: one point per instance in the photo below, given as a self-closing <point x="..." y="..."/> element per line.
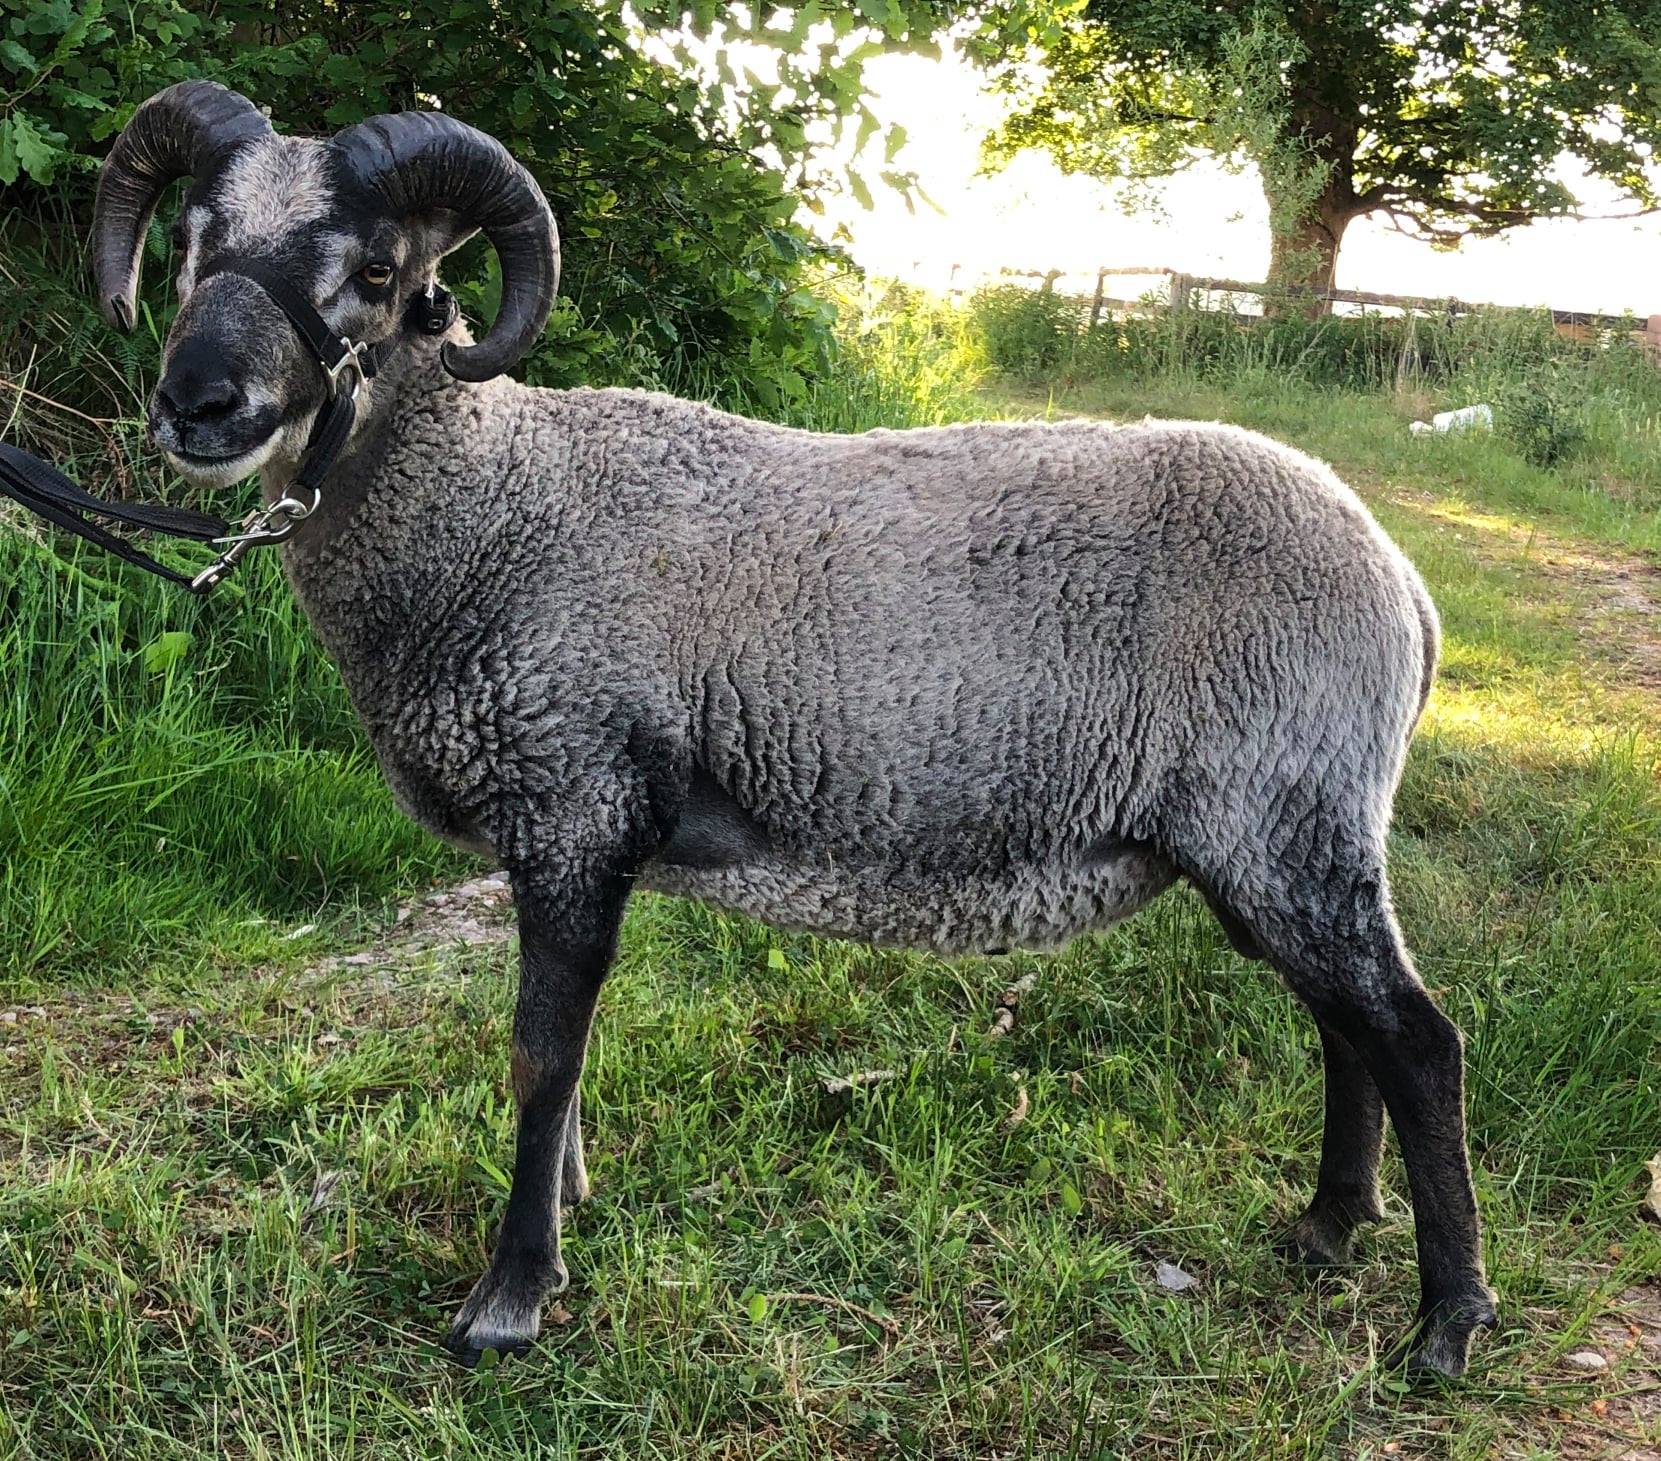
<point x="221" y="467"/>
<point x="208" y="459"/>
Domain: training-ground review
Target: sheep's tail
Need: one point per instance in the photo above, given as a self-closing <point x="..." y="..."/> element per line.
<point x="1432" y="627"/>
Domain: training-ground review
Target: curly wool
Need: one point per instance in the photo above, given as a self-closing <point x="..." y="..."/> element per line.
<point x="963" y="688"/>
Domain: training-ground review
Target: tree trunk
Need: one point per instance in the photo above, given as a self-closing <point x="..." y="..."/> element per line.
<point x="1303" y="257"/>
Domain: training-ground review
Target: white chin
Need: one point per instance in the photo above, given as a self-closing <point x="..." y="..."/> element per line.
<point x="223" y="472"/>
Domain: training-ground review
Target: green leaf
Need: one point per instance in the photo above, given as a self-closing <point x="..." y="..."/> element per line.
<point x="15" y="56"/>
<point x="868" y="124"/>
<point x="166" y="650"/>
<point x="861" y="190"/>
<point x="8" y="154"/>
<point x="757" y="1308"/>
<point x="777" y="960"/>
<point x="896" y="140"/>
<point x="38" y="156"/>
<point x="1070" y="1199"/>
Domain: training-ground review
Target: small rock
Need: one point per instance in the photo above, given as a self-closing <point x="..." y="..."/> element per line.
<point x="357" y="961"/>
<point x="1589" y="1361"/>
<point x="8" y="1017"/>
<point x="1172" y="1279"/>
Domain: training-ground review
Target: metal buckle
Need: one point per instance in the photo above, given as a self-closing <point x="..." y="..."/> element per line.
<point x="352" y="359"/>
<point x="257" y="532"/>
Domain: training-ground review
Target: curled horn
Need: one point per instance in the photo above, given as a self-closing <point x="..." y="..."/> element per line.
<point x="176" y="134"/>
<point x="423" y="162"/>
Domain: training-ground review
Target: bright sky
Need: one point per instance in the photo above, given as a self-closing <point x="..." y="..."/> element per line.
<point x="1031" y="216"/>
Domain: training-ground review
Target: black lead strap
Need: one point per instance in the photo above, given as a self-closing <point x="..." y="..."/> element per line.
<point x="45" y="491"/>
<point x="48" y="493"/>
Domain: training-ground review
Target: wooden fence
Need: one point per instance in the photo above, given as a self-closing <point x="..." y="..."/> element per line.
<point x="1186" y="291"/>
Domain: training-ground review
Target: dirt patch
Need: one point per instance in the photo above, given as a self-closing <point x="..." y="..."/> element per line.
<point x="474" y="915"/>
<point x="1620" y="1418"/>
<point x="1621" y="609"/>
<point x="1617" y="596"/>
<point x="471" y="915"/>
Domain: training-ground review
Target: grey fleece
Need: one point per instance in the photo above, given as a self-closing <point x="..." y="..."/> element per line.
<point x="963" y="688"/>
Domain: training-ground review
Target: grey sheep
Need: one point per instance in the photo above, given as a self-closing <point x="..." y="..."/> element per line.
<point x="965" y="689"/>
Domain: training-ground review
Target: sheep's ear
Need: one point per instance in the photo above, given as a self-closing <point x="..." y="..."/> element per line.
<point x="446" y="231"/>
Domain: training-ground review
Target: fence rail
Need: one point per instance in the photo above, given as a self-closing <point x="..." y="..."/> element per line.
<point x="1181" y="287"/>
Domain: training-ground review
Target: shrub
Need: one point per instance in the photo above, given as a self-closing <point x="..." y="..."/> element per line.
<point x="1024" y="331"/>
<point x="1543" y="415"/>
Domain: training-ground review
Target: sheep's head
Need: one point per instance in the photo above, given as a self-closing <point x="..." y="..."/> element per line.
<point x="357" y="223"/>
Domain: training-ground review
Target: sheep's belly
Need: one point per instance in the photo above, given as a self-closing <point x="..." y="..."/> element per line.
<point x="1025" y="907"/>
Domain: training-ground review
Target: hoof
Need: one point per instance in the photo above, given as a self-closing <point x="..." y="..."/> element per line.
<point x="499" y="1315"/>
<point x="1322" y="1238"/>
<point x="1440" y="1344"/>
<point x="467" y="1349"/>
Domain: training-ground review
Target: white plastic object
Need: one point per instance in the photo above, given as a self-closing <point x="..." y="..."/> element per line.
<point x="1466" y="418"/>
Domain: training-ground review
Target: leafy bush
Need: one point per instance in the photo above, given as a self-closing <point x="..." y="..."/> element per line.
<point x="1025" y="332"/>
<point x="678" y="247"/>
<point x="1543" y="416"/>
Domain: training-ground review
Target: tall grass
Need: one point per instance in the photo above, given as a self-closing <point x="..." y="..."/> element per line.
<point x="1593" y="406"/>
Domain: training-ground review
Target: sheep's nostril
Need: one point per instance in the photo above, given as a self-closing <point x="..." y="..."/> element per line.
<point x="195" y="398"/>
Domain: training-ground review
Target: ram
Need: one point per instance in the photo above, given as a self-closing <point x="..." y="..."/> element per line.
<point x="962" y="689"/>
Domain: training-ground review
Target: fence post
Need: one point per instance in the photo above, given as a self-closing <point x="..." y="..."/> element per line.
<point x="1096" y="303"/>
<point x="1179" y="292"/>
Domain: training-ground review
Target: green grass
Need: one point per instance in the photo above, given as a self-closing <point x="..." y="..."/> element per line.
<point x="168" y="1285"/>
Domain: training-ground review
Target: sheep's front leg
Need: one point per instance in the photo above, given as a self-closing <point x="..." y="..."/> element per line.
<point x="566" y="942"/>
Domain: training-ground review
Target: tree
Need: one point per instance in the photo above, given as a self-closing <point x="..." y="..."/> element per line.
<point x="1446" y="116"/>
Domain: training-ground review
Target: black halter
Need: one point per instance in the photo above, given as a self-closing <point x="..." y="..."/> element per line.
<point x="347" y="364"/>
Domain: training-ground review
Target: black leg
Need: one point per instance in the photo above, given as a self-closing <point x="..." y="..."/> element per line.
<point x="567" y="938"/>
<point x="1342" y="954"/>
<point x="1416" y="1056"/>
<point x="1346" y="1191"/>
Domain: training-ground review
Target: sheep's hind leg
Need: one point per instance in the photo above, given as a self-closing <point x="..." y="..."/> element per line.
<point x="1346" y="1189"/>
<point x="1332" y="936"/>
<point x="566" y="946"/>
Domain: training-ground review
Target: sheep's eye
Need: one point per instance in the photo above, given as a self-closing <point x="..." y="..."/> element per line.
<point x="377" y="276"/>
